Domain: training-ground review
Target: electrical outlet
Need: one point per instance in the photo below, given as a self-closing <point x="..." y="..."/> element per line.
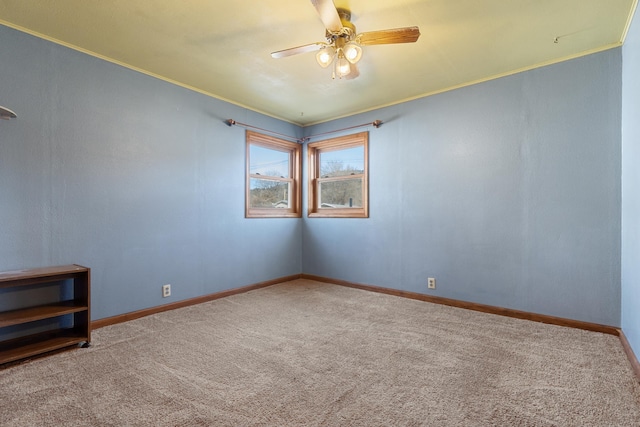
<point x="431" y="283"/>
<point x="166" y="291"/>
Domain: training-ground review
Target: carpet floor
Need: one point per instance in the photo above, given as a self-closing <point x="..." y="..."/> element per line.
<point x="305" y="353"/>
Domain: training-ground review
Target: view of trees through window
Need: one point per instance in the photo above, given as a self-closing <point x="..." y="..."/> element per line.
<point x="341" y="176"/>
<point x="273" y="177"/>
<point x="269" y="194"/>
<point x="269" y="169"/>
<point x="338" y="177"/>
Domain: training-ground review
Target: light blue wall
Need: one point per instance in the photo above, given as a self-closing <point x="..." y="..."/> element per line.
<point x="507" y="192"/>
<point x="631" y="187"/>
<point x="134" y="177"/>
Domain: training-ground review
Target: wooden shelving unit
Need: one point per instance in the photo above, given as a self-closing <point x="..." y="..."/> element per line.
<point x="79" y="307"/>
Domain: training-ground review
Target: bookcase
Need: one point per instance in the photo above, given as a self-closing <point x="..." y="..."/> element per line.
<point x="69" y="314"/>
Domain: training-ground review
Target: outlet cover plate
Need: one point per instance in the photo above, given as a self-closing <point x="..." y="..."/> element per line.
<point x="166" y="291"/>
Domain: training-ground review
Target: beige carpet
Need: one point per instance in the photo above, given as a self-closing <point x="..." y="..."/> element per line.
<point x="306" y="353"/>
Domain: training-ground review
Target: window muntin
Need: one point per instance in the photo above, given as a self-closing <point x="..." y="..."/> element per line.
<point x="338" y="177"/>
<point x="273" y="177"/>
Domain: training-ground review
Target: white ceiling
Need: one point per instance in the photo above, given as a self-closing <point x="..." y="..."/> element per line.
<point x="223" y="48"/>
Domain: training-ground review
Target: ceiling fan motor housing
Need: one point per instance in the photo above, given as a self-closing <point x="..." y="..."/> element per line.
<point x="348" y="30"/>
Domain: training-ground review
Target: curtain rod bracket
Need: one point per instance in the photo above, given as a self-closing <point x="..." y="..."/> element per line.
<point x="231" y="122"/>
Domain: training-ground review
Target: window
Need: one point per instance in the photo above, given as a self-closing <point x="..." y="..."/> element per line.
<point x="339" y="177"/>
<point x="272" y="177"/>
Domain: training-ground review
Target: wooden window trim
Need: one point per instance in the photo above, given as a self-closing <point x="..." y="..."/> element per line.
<point x="313" y="151"/>
<point x="295" y="176"/>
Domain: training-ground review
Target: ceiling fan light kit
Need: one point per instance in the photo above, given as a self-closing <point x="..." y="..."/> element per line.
<point x="344" y="47"/>
<point x="352" y="51"/>
<point x="325" y="56"/>
<point x="342" y="68"/>
<point x="342" y="54"/>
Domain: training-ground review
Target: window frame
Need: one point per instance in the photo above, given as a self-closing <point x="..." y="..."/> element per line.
<point x="314" y="151"/>
<point x="295" y="176"/>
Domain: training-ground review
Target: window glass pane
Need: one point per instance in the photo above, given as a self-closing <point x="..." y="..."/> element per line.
<point x="268" y="162"/>
<point x="344" y="193"/>
<point x="339" y="177"/>
<point x="349" y="161"/>
<point x="266" y="193"/>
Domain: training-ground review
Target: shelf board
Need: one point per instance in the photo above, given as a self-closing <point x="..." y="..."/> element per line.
<point x="41" y="275"/>
<point x="31" y="314"/>
<point x="32" y="345"/>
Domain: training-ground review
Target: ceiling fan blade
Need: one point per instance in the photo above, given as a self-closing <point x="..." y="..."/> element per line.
<point x="395" y="35"/>
<point x="328" y="15"/>
<point x="296" y="50"/>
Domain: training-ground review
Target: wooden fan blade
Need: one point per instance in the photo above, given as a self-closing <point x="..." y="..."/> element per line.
<point x="395" y="35"/>
<point x="328" y="15"/>
<point x="296" y="50"/>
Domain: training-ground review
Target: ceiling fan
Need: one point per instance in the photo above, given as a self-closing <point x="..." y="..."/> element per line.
<point x="343" y="47"/>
